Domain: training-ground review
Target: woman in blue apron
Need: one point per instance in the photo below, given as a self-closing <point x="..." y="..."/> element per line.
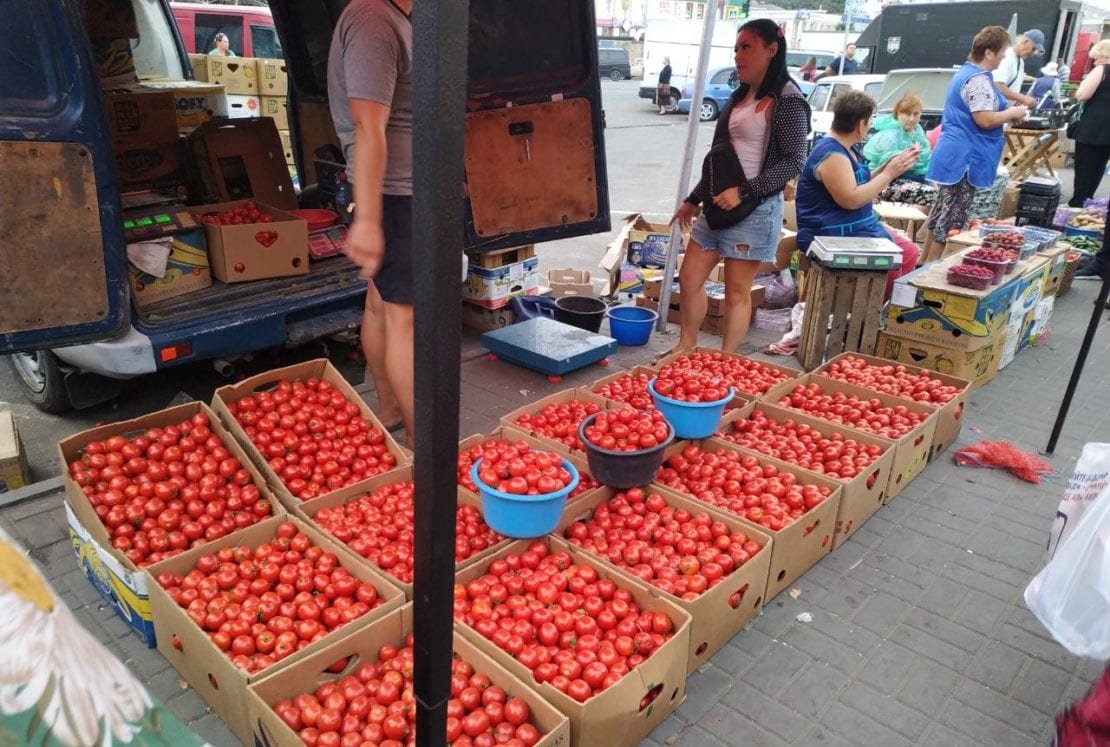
<point x="837" y="189"/>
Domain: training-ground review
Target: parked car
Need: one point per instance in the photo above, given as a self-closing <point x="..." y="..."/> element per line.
<point x="249" y="28"/>
<point x="638" y="68"/>
<point x="719" y="85"/>
<point x="797" y="58"/>
<point x="827" y="90"/>
<point x="612" y="63"/>
<point x="931" y="84"/>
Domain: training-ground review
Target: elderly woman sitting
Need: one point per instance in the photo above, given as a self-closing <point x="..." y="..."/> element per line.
<point x="836" y="188"/>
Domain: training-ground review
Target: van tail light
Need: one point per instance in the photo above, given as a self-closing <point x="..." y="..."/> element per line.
<point x="173" y="352"/>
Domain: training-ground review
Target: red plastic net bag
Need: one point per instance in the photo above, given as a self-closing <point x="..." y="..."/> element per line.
<point x="1004" y="455"/>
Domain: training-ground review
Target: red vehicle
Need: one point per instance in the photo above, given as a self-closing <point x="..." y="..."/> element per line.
<point x="249" y="28"/>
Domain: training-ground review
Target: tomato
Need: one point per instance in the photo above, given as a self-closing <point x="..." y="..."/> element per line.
<point x="627" y="429"/>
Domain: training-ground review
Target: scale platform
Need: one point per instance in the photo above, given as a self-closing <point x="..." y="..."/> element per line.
<point x="856" y="253"/>
<point x="548" y="346"/>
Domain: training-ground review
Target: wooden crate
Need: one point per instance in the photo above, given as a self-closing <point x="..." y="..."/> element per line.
<point x="854" y="299"/>
<point x="501" y="257"/>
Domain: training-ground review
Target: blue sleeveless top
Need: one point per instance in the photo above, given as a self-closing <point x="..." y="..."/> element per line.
<point x="965" y="148"/>
<point x="818" y="213"/>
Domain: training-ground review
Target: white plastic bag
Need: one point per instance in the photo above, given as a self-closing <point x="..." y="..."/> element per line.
<point x="1071" y="594"/>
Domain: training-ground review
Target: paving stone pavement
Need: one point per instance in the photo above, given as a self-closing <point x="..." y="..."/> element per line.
<point x="919" y="632"/>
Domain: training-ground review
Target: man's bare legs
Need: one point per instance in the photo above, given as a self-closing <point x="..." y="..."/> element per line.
<point x="398" y="359"/>
<point x="373" y="339"/>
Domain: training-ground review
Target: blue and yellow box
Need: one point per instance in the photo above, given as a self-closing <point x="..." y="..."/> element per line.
<point x="1030" y="288"/>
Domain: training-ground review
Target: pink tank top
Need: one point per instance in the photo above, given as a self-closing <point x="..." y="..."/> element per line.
<point x="748" y="131"/>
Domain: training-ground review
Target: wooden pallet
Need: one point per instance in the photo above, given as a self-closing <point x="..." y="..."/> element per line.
<point x="501" y="257"/>
<point x="854" y="300"/>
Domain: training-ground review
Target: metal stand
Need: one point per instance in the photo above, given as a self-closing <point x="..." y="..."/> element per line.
<point x="439" y="106"/>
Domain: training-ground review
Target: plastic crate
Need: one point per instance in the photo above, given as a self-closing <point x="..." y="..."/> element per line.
<point x="998" y="268"/>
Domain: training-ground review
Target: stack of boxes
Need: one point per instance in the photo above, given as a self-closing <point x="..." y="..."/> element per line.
<point x="493" y="279"/>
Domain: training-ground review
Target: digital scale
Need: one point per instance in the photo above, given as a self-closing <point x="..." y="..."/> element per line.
<point x="856" y="253"/>
<point x="548" y="346"/>
<point x="153" y="223"/>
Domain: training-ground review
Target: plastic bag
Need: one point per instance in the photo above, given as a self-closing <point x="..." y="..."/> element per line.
<point x="1071" y="594"/>
<point x="779" y="289"/>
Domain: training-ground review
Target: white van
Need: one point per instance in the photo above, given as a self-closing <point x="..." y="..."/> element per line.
<point x="827" y="90"/>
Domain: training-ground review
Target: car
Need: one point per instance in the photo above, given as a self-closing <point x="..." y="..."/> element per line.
<point x="638" y="68"/>
<point x="797" y="58"/>
<point x="719" y="85"/>
<point x="612" y="63"/>
<point x="826" y="91"/>
<point x="931" y="84"/>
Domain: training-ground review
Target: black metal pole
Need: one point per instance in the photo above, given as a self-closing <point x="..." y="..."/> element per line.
<point x="1081" y="360"/>
<point x="439" y="106"/>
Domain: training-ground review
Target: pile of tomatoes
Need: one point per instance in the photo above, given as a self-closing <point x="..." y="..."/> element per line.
<point x="573" y="629"/>
<point x="866" y="415"/>
<point x="629" y="389"/>
<point x="741" y="485"/>
<point x="168" y="489"/>
<point x="833" y="455"/>
<point x="742" y="374"/>
<point x="375" y="705"/>
<point x="379" y="527"/>
<point x="894" y="380"/>
<point x="314" y="439"/>
<point x="259" y="605"/>
<point x="245" y="214"/>
<point x="681" y="553"/>
<point x="559" y="422"/>
<point x="628" y="430"/>
<point x="530" y="473"/>
<point x="493" y="451"/>
<point x="690" y="385"/>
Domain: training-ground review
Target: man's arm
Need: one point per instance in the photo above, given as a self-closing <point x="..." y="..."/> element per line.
<point x="365" y="244"/>
<point x="1016" y="96"/>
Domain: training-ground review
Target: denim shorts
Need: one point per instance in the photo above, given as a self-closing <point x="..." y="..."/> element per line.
<point x="760" y="231"/>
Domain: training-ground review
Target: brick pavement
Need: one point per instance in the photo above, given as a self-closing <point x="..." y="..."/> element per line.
<point x="919" y="633"/>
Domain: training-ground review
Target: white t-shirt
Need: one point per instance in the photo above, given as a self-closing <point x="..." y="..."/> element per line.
<point x="1011" y="73"/>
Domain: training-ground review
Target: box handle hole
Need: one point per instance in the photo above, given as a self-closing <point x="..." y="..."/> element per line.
<point x="652" y="694"/>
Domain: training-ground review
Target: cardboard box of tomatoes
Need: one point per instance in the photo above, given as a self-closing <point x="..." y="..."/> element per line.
<point x="719" y="611"/>
<point x="193" y="651"/>
<point x="908" y="382"/>
<point x="769" y="429"/>
<point x="99" y="555"/>
<point x="381" y="453"/>
<point x="249" y="240"/>
<point x="627" y="708"/>
<point x="307" y="685"/>
<point x="799" y="544"/>
<point x="626" y="388"/>
<point x="554" y="419"/>
<point x="393" y="491"/>
<point x="752" y="379"/>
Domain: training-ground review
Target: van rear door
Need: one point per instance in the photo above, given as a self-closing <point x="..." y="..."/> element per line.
<point x="62" y="252"/>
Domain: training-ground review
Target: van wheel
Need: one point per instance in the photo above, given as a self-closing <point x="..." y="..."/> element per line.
<point x="43" y="381"/>
<point x="616" y="74"/>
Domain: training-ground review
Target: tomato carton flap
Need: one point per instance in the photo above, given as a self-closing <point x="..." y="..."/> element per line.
<point x="797" y="546"/>
<point x="772" y="394"/>
<point x="320" y="368"/>
<point x="309" y="509"/>
<point x="207" y="669"/>
<point x="362" y="647"/>
<point x="719" y="612"/>
<point x="861" y="495"/>
<point x="949" y="415"/>
<point x="559" y="398"/>
<point x="628" y="711"/>
<point x="271" y="246"/>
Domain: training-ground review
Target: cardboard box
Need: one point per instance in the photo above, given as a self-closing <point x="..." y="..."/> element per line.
<point x="306" y="675"/>
<point x="1057" y="256"/>
<point x="644" y="402"/>
<point x="790" y="215"/>
<point x="238" y="160"/>
<point x="114" y="60"/>
<point x="949" y="415"/>
<point x="861" y="495"/>
<point x="308" y="510"/>
<point x="209" y="671"/>
<point x="254" y="251"/>
<point x="616" y="263"/>
<point x="287" y="146"/>
<point x="796" y="547"/>
<point x="618" y="715"/>
<point x="1030" y="287"/>
<point x="486" y="320"/>
<point x="1014" y="343"/>
<point x="196" y="102"/>
<point x="979" y="364"/>
<point x="273" y="80"/>
<point x="320" y="368"/>
<point x="960" y="242"/>
<point x="714" y="294"/>
<point x="243" y="106"/>
<point x="187" y="270"/>
<point x="276" y="108"/>
<point x="567" y="395"/>
<point x="137" y="114"/>
<point x="493" y="288"/>
<point x="238" y="75"/>
<point x="110" y="19"/>
<point x="793" y="375"/>
<point x="123" y="586"/>
<point x="569" y="282"/>
<point x="649" y="243"/>
<point x="13" y="460"/>
<point x="716" y="615"/>
<point x="1008" y="207"/>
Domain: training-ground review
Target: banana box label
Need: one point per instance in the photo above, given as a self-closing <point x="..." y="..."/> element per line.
<point x="187" y="271"/>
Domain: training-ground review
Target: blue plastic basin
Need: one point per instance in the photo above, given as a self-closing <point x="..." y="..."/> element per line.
<point x="691" y="419"/>
<point x="631" y="325"/>
<point x="523" y="516"/>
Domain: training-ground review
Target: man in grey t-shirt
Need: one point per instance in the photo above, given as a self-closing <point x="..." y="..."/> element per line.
<point x="370" y="94"/>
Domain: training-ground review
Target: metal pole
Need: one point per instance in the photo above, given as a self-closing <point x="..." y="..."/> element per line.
<point x="849" y="12"/>
<point x="439" y="106"/>
<point x="711" y="9"/>
<point x="1081" y="359"/>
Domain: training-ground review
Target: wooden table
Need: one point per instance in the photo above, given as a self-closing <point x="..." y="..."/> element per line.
<point x="1028" y="152"/>
<point x="904" y="217"/>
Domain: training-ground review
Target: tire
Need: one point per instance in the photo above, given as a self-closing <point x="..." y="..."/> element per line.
<point x="675" y="96"/>
<point x="43" y="382"/>
<point x="615" y="74"/>
<point x="707" y="112"/>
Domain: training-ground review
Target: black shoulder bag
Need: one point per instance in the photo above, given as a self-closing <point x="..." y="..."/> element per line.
<point x="720" y="170"/>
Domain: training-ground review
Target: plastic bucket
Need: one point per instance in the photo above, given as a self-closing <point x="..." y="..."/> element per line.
<point x="523" y="516"/>
<point x="690" y="419"/>
<point x="622" y="470"/>
<point x="631" y="325"/>
<point x="584" y="312"/>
